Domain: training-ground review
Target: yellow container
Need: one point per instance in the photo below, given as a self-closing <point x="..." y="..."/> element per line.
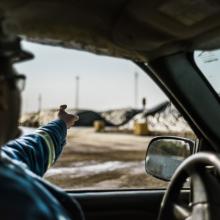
<point x="99" y="126"/>
<point x="141" y="129"/>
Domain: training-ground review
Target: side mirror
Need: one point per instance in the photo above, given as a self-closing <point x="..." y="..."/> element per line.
<point x="165" y="154"/>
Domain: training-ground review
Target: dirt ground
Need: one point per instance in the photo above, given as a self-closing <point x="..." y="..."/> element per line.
<point x="102" y="161"/>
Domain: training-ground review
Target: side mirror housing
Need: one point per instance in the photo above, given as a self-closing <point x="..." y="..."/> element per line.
<point x="165" y="154"/>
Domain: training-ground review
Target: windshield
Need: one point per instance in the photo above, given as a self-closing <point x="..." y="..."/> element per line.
<point x="209" y="64"/>
<point x="120" y="110"/>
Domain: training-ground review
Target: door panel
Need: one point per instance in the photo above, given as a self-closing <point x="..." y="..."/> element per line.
<point x="140" y="204"/>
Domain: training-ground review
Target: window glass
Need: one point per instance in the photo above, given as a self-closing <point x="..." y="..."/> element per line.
<point x="209" y="63"/>
<point x="120" y="110"/>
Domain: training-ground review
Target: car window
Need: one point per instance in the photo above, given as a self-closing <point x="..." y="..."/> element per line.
<point x="120" y="110"/>
<point x="209" y="62"/>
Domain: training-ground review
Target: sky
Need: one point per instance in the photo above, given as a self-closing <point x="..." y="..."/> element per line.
<point x="104" y="82"/>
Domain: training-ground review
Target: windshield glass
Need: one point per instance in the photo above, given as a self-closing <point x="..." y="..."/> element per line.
<point x="209" y="64"/>
<point x="120" y="110"/>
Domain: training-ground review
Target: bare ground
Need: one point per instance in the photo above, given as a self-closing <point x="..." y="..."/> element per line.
<point x="102" y="161"/>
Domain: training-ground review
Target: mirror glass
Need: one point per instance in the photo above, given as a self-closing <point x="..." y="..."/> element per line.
<point x="165" y="155"/>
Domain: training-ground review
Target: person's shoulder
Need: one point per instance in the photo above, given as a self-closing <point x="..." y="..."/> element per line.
<point x="23" y="196"/>
<point x="13" y="179"/>
<point x="18" y="198"/>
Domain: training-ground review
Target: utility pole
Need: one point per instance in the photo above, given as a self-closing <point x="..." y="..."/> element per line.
<point x="77" y="93"/>
<point x="144" y="102"/>
<point x="39" y="103"/>
<point x="136" y="89"/>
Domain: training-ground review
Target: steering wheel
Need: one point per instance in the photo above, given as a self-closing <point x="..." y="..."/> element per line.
<point x="199" y="167"/>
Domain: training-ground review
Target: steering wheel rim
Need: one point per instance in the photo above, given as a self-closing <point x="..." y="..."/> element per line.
<point x="194" y="167"/>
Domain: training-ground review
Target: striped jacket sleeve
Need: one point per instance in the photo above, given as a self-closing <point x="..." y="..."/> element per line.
<point x="40" y="149"/>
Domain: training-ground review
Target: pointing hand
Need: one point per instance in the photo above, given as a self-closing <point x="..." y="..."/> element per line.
<point x="69" y="119"/>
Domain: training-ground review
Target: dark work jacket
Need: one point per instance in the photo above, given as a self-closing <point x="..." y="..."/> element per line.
<point x="23" y="193"/>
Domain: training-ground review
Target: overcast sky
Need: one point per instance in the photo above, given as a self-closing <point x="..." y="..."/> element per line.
<point x="105" y="82"/>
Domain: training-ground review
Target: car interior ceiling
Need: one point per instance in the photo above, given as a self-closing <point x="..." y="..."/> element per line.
<point x="141" y="30"/>
<point x="153" y="32"/>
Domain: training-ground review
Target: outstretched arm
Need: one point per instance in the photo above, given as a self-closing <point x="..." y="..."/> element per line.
<point x="39" y="150"/>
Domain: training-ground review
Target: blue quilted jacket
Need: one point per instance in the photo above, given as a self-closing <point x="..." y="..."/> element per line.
<point x="23" y="194"/>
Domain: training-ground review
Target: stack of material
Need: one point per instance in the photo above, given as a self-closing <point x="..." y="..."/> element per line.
<point x="36" y="119"/>
<point x="86" y="117"/>
<point x="169" y="121"/>
<point x="116" y="117"/>
<point x="119" y="117"/>
<point x="163" y="120"/>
